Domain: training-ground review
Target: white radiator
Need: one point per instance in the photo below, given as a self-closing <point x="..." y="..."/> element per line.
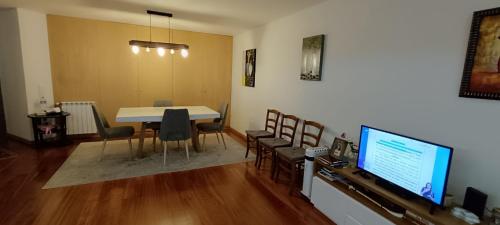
<point x="81" y="120"/>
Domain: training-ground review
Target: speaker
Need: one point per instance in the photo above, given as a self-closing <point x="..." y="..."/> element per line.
<point x="475" y="201"/>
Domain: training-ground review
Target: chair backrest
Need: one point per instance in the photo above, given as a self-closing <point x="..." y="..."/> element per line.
<point x="272" y="117"/>
<point x="223" y="116"/>
<point x="288" y="127"/>
<point x="175" y="125"/>
<point x="316" y="137"/>
<point x="100" y="122"/>
<point x="162" y="103"/>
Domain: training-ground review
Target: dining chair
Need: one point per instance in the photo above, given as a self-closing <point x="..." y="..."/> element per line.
<point x="106" y="132"/>
<point x="268" y="145"/>
<point x="269" y="131"/>
<point x="291" y="159"/>
<point x="175" y="126"/>
<point x="215" y="127"/>
<point x="155" y="126"/>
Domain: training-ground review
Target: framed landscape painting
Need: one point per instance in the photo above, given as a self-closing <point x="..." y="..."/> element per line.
<point x="312" y="57"/>
<point x="250" y="57"/>
<point x="481" y="76"/>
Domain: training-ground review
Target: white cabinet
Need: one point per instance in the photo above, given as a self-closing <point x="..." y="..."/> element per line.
<point x="328" y="200"/>
<point x="341" y="208"/>
<point x="351" y="221"/>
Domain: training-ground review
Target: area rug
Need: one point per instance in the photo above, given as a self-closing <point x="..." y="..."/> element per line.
<point x="83" y="165"/>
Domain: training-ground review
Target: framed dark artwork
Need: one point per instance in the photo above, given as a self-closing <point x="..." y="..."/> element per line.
<point x="338" y="148"/>
<point x="312" y="57"/>
<point x="481" y="76"/>
<point x="250" y="57"/>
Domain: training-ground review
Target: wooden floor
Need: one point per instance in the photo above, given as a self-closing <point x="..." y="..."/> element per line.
<point x="231" y="194"/>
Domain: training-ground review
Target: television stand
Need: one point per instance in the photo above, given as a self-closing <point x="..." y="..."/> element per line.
<point x="362" y="173"/>
<point x="341" y="201"/>
<point x="387" y="205"/>
<point x="395" y="189"/>
<point x="433" y="208"/>
<point x="403" y="193"/>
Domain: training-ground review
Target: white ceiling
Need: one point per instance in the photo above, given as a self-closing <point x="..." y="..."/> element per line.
<point x="212" y="16"/>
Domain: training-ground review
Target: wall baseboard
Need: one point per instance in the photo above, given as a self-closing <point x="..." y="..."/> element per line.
<point x="237" y="134"/>
<point x="95" y="137"/>
<point x="19" y="139"/>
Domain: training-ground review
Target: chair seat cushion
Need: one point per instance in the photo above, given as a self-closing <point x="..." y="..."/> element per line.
<point x="175" y="137"/>
<point x="208" y="127"/>
<point x="119" y="132"/>
<point x="291" y="153"/>
<point x="274" y="142"/>
<point x="254" y="134"/>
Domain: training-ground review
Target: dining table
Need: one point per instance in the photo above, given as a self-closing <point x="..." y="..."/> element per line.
<point x="146" y="115"/>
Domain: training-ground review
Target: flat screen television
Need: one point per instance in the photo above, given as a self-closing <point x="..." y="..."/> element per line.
<point x="416" y="166"/>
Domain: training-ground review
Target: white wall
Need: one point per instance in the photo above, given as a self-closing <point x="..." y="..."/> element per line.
<point x="12" y="76"/>
<point x="24" y="67"/>
<point x="391" y="64"/>
<point x="36" y="58"/>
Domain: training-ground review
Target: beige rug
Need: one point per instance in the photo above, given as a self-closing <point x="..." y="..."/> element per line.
<point x="83" y="167"/>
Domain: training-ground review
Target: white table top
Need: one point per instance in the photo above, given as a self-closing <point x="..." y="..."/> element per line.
<point x="155" y="114"/>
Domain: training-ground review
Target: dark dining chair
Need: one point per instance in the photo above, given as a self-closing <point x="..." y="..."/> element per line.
<point x="285" y="139"/>
<point x="269" y="131"/>
<point x="175" y="126"/>
<point x="155" y="126"/>
<point x="106" y="132"/>
<point x="291" y="159"/>
<point x="215" y="127"/>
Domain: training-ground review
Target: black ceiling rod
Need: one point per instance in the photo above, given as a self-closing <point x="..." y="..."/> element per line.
<point x="151" y="12"/>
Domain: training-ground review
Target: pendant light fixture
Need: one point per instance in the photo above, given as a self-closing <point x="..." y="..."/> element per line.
<point x="160" y="47"/>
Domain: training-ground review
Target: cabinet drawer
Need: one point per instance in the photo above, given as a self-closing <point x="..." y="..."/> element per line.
<point x="341" y="208"/>
<point x="328" y="200"/>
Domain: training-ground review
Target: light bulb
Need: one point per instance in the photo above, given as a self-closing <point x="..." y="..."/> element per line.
<point x="135" y="49"/>
<point x="161" y="51"/>
<point x="172" y="51"/>
<point x="184" y="53"/>
<point x="147" y="49"/>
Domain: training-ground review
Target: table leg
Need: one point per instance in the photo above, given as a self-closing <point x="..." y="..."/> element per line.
<point x="36" y="136"/>
<point x="194" y="136"/>
<point x="140" y="153"/>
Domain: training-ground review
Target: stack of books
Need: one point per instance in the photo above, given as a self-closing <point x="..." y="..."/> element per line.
<point x="324" y="161"/>
<point x="335" y="164"/>
<point x="331" y="176"/>
<point x="326" y="173"/>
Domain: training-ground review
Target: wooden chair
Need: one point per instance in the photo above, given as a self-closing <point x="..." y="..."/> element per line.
<point x="269" y="131"/>
<point x="268" y="145"/>
<point x="290" y="159"/>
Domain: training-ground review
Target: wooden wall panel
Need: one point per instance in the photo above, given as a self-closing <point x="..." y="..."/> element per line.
<point x="91" y="60"/>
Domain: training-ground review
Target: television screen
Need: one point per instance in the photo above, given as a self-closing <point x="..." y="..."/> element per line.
<point x="417" y="166"/>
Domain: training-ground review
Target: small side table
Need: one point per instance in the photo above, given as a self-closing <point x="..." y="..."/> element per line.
<point x="49" y="128"/>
